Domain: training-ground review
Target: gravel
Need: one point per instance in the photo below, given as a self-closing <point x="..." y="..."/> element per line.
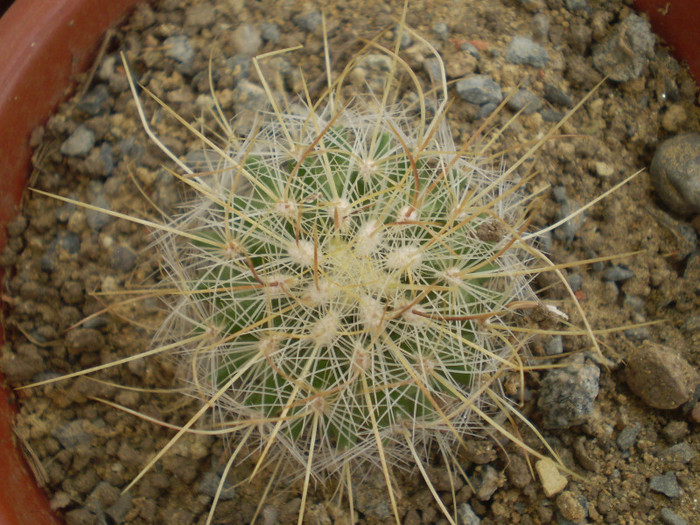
<point x="666" y="484"/>
<point x="479" y="90"/>
<point x="625" y="52"/>
<point x="79" y="143"/>
<point x="523" y="50"/>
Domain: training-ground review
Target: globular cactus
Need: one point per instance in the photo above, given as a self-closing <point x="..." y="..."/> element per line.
<point x="344" y="286"/>
<point x="343" y="283"/>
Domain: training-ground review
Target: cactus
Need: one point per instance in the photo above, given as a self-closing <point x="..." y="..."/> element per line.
<point x="346" y="287"/>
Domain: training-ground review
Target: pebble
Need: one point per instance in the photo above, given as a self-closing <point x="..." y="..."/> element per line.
<point x="675" y="173"/>
<point x="627" y="437"/>
<point x="97" y="220"/>
<point x="179" y="48"/>
<point x="81" y="340"/>
<point x="518" y="472"/>
<point x="567" y="395"/>
<point x="471" y="49"/>
<point x="486" y="483"/>
<point x="479" y="90"/>
<point x="554" y="346"/>
<point x="575" y="281"/>
<point x="556" y="96"/>
<point x="466" y="515"/>
<point x="551" y="479"/>
<point x="21" y="365"/>
<point x="551" y="115"/>
<point x="603" y="169"/>
<point x="309" y="20"/>
<point x="681" y="452"/>
<point x="441" y="30"/>
<point x="671" y="518"/>
<point x="660" y="377"/>
<point x="95" y="101"/>
<point x="209" y="485"/>
<point x="79" y="143"/>
<point x="524" y="100"/>
<point x="72" y="434"/>
<point x="540" y="26"/>
<point x="675" y="431"/>
<point x="570" y="507"/>
<point x="624" y="53"/>
<point x="247" y="39"/>
<point x="617" y="273"/>
<point x="123" y="259"/>
<point x="666" y="484"/>
<point x="523" y="50"/>
<point x="270" y="32"/>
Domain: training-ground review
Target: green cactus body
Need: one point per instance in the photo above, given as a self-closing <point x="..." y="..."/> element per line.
<point x="342" y="275"/>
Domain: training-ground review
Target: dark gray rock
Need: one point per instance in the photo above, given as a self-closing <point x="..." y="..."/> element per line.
<point x="209" y="485"/>
<point x="551" y="115"/>
<point x="681" y="452"/>
<point x="627" y="437"/>
<point x="79" y="143"/>
<point x="671" y="518"/>
<point x="567" y="395"/>
<point x="617" y="273"/>
<point x="523" y="50"/>
<point x="666" y="485"/>
<point x="575" y="281"/>
<point x="624" y="53"/>
<point x="72" y="434"/>
<point x="122" y="259"/>
<point x="556" y="96"/>
<point x="95" y="101"/>
<point x="675" y="173"/>
<point x="441" y="30"/>
<point x="524" y="100"/>
<point x="479" y="90"/>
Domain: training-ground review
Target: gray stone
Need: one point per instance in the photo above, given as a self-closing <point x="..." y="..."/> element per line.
<point x="567" y="395"/>
<point x="556" y="96"/>
<point x="524" y="100"/>
<point x="270" y="32"/>
<point x="675" y="173"/>
<point x="471" y="49"/>
<point x="72" y="434"/>
<point x="624" y="53"/>
<point x="681" y="452"/>
<point x="671" y="518"/>
<point x="627" y="437"/>
<point x="554" y="346"/>
<point x="523" y="50"/>
<point x="575" y="281"/>
<point x="179" y="48"/>
<point x="97" y="220"/>
<point x="551" y="115"/>
<point x="79" y="143"/>
<point x="441" y="30"/>
<point x="209" y="484"/>
<point x="479" y="90"/>
<point x="486" y="483"/>
<point x="540" y="26"/>
<point x="617" y="273"/>
<point x="666" y="485"/>
<point x="466" y="515"/>
<point x="122" y="259"/>
<point x="95" y="101"/>
<point x="309" y="20"/>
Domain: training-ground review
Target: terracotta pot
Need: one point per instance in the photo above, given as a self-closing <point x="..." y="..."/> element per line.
<point x="43" y="43"/>
<point x="678" y="23"/>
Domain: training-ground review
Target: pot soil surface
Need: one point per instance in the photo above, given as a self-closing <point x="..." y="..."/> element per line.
<point x="68" y="267"/>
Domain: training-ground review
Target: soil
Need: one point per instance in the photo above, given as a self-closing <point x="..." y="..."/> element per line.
<point x="66" y="264"/>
